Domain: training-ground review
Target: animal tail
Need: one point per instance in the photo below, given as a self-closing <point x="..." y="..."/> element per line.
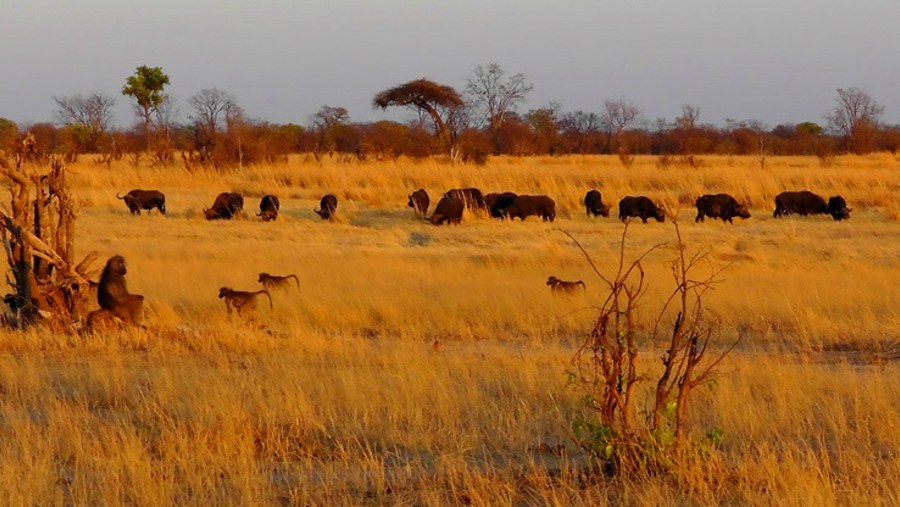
<point x="295" y="279"/>
<point x="583" y="286"/>
<point x="264" y="291"/>
<point x="117" y="196"/>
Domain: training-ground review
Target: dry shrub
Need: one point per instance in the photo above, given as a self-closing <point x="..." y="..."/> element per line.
<point x="607" y="370"/>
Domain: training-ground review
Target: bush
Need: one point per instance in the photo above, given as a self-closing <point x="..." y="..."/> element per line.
<point x="607" y="370"/>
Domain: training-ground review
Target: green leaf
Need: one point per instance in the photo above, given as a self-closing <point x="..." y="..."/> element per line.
<point x="671" y="406"/>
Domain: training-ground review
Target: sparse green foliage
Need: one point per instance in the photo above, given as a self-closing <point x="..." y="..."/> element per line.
<point x="146" y="87"/>
<point x="607" y="369"/>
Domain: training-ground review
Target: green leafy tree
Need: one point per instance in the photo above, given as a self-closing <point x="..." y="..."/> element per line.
<point x="145" y="87"/>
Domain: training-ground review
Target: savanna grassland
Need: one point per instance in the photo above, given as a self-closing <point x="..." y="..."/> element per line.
<point x="338" y="395"/>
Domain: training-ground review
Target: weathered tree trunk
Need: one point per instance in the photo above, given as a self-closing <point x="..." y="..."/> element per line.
<point x="39" y="240"/>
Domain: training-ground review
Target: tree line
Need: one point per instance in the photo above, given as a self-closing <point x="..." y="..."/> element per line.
<point x="211" y="129"/>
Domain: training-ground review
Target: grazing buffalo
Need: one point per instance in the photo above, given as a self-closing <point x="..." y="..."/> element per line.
<point x="268" y="208"/>
<point x="449" y="210"/>
<point x="498" y="204"/>
<point x="837" y="208"/>
<point x="527" y="205"/>
<point x="719" y="206"/>
<point x="225" y="207"/>
<point x="137" y="199"/>
<point x="805" y="203"/>
<point x="557" y="285"/>
<point x="472" y="197"/>
<point x="419" y="202"/>
<point x="641" y="207"/>
<point x="327" y="207"/>
<point x="593" y="204"/>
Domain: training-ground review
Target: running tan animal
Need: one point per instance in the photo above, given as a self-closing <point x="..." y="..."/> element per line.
<point x="277" y="282"/>
<point x="242" y="300"/>
<point x="557" y="285"/>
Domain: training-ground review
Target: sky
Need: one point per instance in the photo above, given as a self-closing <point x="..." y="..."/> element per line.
<point x="776" y="61"/>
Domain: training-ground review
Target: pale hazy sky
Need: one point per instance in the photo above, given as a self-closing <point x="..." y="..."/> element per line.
<point x="772" y="60"/>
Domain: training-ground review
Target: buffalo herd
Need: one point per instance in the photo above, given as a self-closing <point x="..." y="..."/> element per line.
<point x="509" y="205"/>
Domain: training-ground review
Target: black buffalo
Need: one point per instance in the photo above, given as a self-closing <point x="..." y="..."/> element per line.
<point x="471" y="197"/>
<point x="498" y="204"/>
<point x="837" y="208"/>
<point x="641" y="207"/>
<point x="538" y="205"/>
<point x="225" y="207"/>
<point x="268" y="208"/>
<point x="419" y="202"/>
<point x="138" y="200"/>
<point x="327" y="207"/>
<point x="719" y="206"/>
<point x="805" y="203"/>
<point x="449" y="210"/>
<point x="593" y="204"/>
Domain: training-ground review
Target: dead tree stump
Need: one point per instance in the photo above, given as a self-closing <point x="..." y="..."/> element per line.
<point x="38" y="235"/>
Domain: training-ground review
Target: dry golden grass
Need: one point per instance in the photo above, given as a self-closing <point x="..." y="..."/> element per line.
<point x="338" y="396"/>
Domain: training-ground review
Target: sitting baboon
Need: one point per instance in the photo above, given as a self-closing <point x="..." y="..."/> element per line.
<point x="241" y="300"/>
<point x="112" y="293"/>
<point x="557" y="285"/>
<point x="277" y="282"/>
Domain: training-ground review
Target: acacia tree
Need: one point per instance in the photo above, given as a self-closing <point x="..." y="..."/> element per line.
<point x="494" y="95"/>
<point x="146" y="86"/>
<point x="426" y="97"/>
<point x="855" y="117"/>
<point x="88" y="116"/>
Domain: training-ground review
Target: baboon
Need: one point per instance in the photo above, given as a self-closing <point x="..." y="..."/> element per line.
<point x="112" y="292"/>
<point x="241" y="300"/>
<point x="277" y="282"/>
<point x="557" y="285"/>
<point x="102" y="321"/>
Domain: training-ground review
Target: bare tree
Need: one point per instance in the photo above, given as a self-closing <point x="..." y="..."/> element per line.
<point x="212" y="112"/>
<point x="494" y="94"/>
<point x="93" y="114"/>
<point x="617" y="116"/>
<point x="164" y="118"/>
<point x="327" y="124"/>
<point x="855" y="116"/>
<point x="211" y="108"/>
<point x="689" y="116"/>
<point x="582" y="130"/>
